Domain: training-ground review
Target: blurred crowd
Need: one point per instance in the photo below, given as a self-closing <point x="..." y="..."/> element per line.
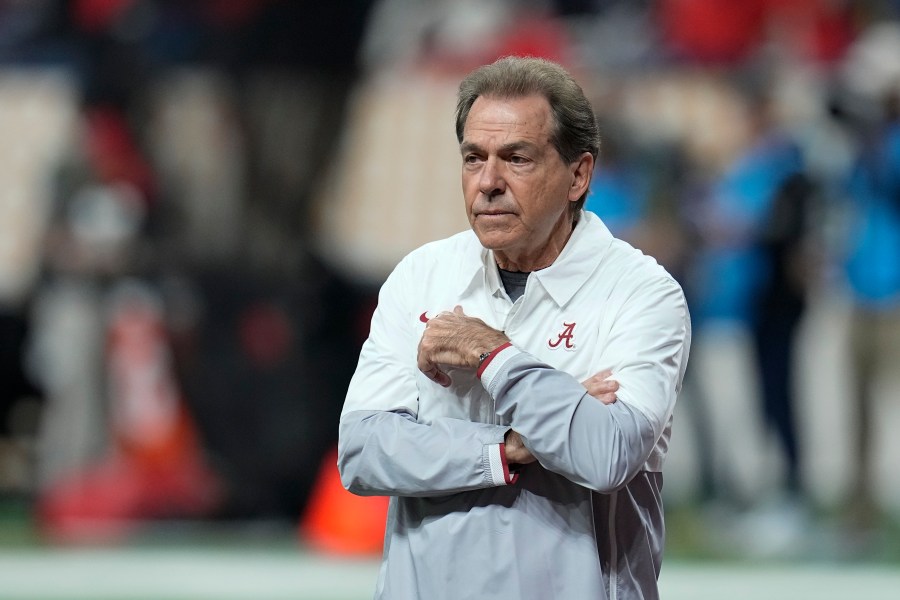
<point x="200" y="198"/>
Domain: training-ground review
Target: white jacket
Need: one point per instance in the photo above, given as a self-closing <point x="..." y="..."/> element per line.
<point x="586" y="520"/>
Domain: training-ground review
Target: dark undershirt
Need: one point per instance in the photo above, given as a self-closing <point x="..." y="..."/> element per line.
<point x="514" y="283"/>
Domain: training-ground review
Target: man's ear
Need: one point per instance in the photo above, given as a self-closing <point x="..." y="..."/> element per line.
<point x="582" y="170"/>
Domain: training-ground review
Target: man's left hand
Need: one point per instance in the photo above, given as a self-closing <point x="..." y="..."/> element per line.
<point x="455" y="340"/>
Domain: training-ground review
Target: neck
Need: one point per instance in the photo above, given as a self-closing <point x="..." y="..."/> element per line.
<point x="535" y="258"/>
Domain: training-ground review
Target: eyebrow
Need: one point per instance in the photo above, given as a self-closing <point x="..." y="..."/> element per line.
<point x="466" y="147"/>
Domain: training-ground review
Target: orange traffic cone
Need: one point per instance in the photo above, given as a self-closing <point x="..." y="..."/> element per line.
<point x="155" y="466"/>
<point x="339" y="522"/>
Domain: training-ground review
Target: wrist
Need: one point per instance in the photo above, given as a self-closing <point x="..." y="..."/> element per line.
<point x="486" y="357"/>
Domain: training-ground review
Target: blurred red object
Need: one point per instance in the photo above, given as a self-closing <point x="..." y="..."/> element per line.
<point x="818" y="30"/>
<point x="712" y="30"/>
<point x="338" y="522"/>
<point x="97" y="15"/>
<point x="112" y="499"/>
<point x="724" y="31"/>
<point x="113" y="152"/>
<point x="155" y="466"/>
<point x="266" y="334"/>
<point x="540" y="37"/>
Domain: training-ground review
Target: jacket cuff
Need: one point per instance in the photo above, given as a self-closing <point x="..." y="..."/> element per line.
<point x="494" y="363"/>
<point x="498" y="467"/>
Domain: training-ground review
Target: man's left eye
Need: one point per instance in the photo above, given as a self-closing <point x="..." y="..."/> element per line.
<point x="518" y="160"/>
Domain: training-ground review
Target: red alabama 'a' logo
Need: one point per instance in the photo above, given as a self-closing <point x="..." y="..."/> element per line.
<point x="567" y="335"/>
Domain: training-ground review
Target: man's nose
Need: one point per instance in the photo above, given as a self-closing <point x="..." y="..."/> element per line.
<point x="492" y="182"/>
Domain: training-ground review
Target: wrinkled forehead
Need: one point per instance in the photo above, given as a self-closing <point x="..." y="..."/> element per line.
<point x="524" y="115"/>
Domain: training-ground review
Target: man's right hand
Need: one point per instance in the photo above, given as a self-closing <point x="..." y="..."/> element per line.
<point x="600" y="386"/>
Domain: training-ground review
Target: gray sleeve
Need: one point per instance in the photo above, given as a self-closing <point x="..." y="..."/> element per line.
<point x="568" y="431"/>
<point x="389" y="453"/>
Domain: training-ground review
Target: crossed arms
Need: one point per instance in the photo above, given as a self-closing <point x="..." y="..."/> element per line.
<point x="586" y="431"/>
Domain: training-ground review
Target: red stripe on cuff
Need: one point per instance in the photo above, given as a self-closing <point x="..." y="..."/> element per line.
<point x="490" y="357"/>
<point x="508" y="477"/>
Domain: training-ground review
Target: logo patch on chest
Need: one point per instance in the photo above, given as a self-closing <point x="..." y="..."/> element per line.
<point x="565" y="338"/>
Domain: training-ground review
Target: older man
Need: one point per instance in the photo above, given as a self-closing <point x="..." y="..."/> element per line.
<point x="515" y="394"/>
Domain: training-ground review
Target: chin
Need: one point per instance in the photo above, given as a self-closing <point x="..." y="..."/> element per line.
<point x="493" y="240"/>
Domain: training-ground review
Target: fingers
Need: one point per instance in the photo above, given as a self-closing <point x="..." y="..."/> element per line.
<point x="604" y="387"/>
<point x="433" y="372"/>
<point x="515" y="450"/>
<point x="438" y="376"/>
<point x="601" y="379"/>
<point x="608" y="398"/>
<point x="453" y="339"/>
<point x="601" y="387"/>
<point x="429" y="368"/>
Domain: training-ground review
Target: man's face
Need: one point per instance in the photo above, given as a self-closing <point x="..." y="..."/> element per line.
<point x="516" y="186"/>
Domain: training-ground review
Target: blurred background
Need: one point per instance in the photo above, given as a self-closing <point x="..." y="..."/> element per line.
<point x="200" y="198"/>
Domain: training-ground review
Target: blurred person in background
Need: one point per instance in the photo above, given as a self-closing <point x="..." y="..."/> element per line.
<point x="486" y="429"/>
<point x="748" y="286"/>
<point x="35" y="119"/>
<point x="873" y="274"/>
<point x="774" y="167"/>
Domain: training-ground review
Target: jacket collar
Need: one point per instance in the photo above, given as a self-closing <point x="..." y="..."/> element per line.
<point x="579" y="259"/>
